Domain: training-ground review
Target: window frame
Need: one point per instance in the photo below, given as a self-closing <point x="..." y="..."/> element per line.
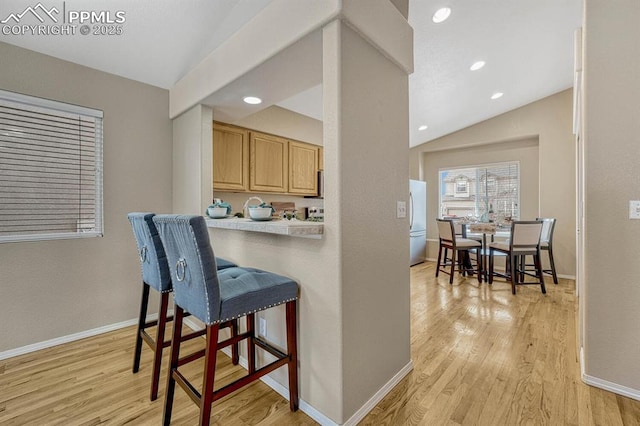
<point x="455" y="170"/>
<point x="48" y="106"/>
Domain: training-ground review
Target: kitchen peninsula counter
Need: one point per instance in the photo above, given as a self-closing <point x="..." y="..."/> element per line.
<point x="292" y="228"/>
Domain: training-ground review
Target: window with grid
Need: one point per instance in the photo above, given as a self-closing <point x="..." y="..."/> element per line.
<point x="493" y="191"/>
<point x="50" y="169"/>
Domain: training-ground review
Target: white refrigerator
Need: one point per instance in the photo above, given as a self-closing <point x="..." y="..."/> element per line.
<point x="417" y="221"/>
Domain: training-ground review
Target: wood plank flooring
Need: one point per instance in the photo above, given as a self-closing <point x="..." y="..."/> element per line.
<point x="481" y="357"/>
<point x="485" y="357"/>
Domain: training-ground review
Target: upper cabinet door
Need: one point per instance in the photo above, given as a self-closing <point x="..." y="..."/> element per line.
<point x="303" y="168"/>
<point x="269" y="163"/>
<point x="230" y="158"/>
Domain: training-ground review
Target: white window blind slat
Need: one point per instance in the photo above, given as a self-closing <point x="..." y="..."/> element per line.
<point x="50" y="169"/>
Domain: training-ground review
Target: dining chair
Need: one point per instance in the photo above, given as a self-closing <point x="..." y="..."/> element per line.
<point x="524" y="241"/>
<point x="460" y="248"/>
<point x="215" y="297"/>
<point x="546" y="244"/>
<point x="156" y="275"/>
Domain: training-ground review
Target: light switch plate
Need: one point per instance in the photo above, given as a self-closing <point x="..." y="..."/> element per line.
<point x="634" y="209"/>
<point x="401" y="209"/>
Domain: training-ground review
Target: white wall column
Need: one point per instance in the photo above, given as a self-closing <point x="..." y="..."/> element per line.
<point x="366" y="142"/>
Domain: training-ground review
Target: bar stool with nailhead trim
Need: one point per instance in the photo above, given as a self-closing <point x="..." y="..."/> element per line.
<point x="156" y="275"/>
<point x="217" y="296"/>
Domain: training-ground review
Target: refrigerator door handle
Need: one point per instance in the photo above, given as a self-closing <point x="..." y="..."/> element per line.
<point x="410" y="210"/>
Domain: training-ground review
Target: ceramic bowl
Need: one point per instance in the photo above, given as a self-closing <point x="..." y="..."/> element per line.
<point x="259" y="212"/>
<point x="217" y="212"/>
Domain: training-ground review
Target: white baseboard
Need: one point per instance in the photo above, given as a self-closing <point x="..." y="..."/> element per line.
<point x="375" y="399"/>
<point x="605" y="384"/>
<point x="73" y="337"/>
<point x="565" y="277"/>
<point x="316" y="415"/>
<point x="66" y="339"/>
<point x="612" y="387"/>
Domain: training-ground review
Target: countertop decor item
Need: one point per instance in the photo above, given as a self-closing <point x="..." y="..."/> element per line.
<point x="261" y="212"/>
<point x="219" y="209"/>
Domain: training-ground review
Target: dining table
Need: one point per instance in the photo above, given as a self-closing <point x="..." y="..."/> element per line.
<point x="481" y="230"/>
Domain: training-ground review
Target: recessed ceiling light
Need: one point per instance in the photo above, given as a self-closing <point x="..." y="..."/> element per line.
<point x="423" y="127"/>
<point x="252" y="100"/>
<point x="497" y="95"/>
<point x="477" y="65"/>
<point x="441" y="15"/>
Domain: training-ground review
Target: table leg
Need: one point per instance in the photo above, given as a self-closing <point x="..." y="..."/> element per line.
<point x="485" y="272"/>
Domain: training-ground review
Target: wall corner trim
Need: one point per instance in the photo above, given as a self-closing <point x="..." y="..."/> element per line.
<point x="605" y="384"/>
<point x="611" y="387"/>
<point x="379" y="396"/>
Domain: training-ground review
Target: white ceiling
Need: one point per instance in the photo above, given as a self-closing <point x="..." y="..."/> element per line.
<point x="527" y="44"/>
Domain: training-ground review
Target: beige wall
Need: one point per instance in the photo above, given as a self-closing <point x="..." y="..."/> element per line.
<point x="352" y="274"/>
<point x="612" y="153"/>
<point x="56" y="288"/>
<point x="280" y="121"/>
<point x="524" y="151"/>
<point x="371" y="134"/>
<point x="191" y="142"/>
<point x="550" y="121"/>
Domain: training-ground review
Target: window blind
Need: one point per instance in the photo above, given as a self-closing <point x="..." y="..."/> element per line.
<point x="50" y="169"/>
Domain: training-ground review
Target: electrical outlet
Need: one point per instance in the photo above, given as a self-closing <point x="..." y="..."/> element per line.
<point x="262" y="328"/>
<point x="401" y="209"/>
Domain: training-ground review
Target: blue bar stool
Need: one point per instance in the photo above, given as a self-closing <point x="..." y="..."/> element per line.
<point x="215" y="297"/>
<point x="156" y="275"/>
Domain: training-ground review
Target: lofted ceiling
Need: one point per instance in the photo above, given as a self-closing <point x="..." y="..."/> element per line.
<point x="527" y="46"/>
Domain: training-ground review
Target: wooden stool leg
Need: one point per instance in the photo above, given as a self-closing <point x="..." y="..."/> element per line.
<point x="142" y="319"/>
<point x="251" y="347"/>
<point x="439" y="259"/>
<point x="157" y="355"/>
<point x="235" y="355"/>
<point x="178" y="314"/>
<point x="292" y="347"/>
<point x="209" y="374"/>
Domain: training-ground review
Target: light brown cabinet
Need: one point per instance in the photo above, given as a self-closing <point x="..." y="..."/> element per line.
<point x="268" y="164"/>
<point x="303" y="168"/>
<point x="320" y="158"/>
<point x="230" y="158"/>
<point x="248" y="161"/>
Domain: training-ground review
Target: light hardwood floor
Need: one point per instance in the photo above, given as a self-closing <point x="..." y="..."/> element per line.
<point x="481" y="356"/>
